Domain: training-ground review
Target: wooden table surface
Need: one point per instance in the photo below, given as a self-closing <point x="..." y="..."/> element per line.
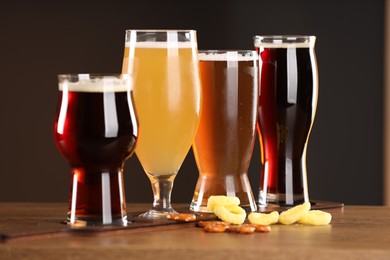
<point x="356" y="232"/>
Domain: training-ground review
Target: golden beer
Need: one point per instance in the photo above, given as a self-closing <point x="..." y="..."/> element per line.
<point x="165" y="78"/>
<point x="167" y="101"/>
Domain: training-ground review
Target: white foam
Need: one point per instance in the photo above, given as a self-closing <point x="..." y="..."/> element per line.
<point x="162" y="45"/>
<point x="228" y="56"/>
<point x="106" y="84"/>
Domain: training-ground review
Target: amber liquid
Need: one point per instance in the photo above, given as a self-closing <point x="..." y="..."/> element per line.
<point x="95" y="133"/>
<point x="224" y="142"/>
<point x="287" y="104"/>
<point x="167" y="98"/>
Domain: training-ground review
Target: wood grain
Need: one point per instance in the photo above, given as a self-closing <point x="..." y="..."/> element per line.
<point x="356" y="232"/>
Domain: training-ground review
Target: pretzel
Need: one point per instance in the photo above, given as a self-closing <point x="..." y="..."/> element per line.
<point x="183" y="217"/>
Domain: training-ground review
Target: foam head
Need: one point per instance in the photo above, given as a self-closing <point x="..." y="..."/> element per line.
<point x="228" y="56"/>
<point x="96" y="84"/>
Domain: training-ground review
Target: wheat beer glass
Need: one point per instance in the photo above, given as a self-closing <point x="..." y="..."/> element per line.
<point x="224" y="142"/>
<point x="287" y="105"/>
<point x="95" y="130"/>
<point x="165" y="77"/>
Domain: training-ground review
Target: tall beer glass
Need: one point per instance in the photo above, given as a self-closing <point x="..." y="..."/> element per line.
<point x="95" y="129"/>
<point x="287" y="106"/>
<point x="165" y="73"/>
<point x="224" y="142"/>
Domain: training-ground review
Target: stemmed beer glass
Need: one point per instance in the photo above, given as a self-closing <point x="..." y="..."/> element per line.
<point x="95" y="129"/>
<point x="165" y="77"/>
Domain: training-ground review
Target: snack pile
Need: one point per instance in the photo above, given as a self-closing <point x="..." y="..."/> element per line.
<point x="228" y="210"/>
<point x="233" y="217"/>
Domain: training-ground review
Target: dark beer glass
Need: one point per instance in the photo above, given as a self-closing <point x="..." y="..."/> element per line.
<point x="95" y="130"/>
<point x="288" y="87"/>
<point x="225" y="138"/>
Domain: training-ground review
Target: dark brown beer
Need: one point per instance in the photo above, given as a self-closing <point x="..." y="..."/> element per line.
<point x="225" y="138"/>
<point x="96" y="132"/>
<point x="287" y="104"/>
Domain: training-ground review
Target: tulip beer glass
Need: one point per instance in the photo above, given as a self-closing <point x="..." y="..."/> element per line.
<point x="288" y="87"/>
<point x="165" y="78"/>
<point x="224" y="142"/>
<point x="95" y="129"/>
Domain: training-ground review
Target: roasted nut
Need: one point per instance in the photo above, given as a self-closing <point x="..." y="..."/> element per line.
<point x="242" y="229"/>
<point x="183" y="217"/>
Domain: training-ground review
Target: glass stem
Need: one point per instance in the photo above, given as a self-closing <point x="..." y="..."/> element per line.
<point x="162" y="188"/>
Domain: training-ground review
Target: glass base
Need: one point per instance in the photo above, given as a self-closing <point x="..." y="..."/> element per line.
<point x="199" y="208"/>
<point x="91" y="222"/>
<point x="280" y="199"/>
<point x="234" y="185"/>
<point x="204" y="209"/>
<point x="155" y="214"/>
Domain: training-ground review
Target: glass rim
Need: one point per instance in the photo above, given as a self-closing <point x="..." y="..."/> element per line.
<point x="89" y="75"/>
<point x="227" y="55"/>
<point x="226" y="51"/>
<point x="284" y="40"/>
<point x="160" y="30"/>
<point x="287" y="36"/>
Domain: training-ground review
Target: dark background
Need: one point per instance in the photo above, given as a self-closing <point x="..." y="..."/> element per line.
<point x="40" y="39"/>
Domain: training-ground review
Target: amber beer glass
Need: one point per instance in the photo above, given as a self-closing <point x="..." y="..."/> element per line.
<point x="224" y="142"/>
<point x="95" y="129"/>
<point x="287" y="105"/>
<point x="165" y="76"/>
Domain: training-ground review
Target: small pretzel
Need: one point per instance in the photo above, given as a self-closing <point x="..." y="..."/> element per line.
<point x="214" y="227"/>
<point x="261" y="228"/>
<point x="183" y="217"/>
<point x="205" y="223"/>
<point x="242" y="229"/>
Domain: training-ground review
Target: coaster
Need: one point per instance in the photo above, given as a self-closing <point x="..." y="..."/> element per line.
<point x="315" y="204"/>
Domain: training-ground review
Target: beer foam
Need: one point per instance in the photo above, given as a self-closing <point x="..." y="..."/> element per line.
<point x="228" y="56"/>
<point x="100" y="85"/>
<point x="162" y="45"/>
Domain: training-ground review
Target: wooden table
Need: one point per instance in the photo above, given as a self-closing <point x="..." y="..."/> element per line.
<point x="356" y="232"/>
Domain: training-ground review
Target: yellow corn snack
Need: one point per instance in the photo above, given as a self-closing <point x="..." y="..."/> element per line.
<point x="316" y="218"/>
<point x="263" y="218"/>
<point x="292" y="215"/>
<point x="221" y="200"/>
<point x="232" y="214"/>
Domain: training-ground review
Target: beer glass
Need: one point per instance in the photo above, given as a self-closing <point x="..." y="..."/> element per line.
<point x="287" y="106"/>
<point x="225" y="139"/>
<point x="95" y="130"/>
<point x="165" y="77"/>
